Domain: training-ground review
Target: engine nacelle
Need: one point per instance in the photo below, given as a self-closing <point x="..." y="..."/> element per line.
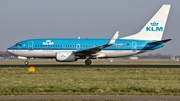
<point x="65" y="56"/>
<point x="22" y="57"/>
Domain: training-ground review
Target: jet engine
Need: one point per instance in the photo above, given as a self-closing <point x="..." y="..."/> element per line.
<point x="65" y="56"/>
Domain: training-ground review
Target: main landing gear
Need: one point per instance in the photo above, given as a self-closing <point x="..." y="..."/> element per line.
<point x="88" y="61"/>
<point x="26" y="62"/>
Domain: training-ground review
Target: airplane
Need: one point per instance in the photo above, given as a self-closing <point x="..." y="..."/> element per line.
<point x="71" y="49"/>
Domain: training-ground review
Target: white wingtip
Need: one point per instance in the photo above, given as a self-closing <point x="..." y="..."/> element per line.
<point x="116" y="35"/>
<point x="113" y="39"/>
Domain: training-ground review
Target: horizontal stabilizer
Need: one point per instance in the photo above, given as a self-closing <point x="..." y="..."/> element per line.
<point x="162" y="41"/>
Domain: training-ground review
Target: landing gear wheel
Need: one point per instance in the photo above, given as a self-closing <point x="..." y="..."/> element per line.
<point x="88" y="61"/>
<point x="26" y="62"/>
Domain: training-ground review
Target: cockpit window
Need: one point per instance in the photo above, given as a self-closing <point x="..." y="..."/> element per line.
<point x="18" y="44"/>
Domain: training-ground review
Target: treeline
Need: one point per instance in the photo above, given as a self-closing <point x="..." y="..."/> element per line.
<point x="155" y="56"/>
<point x="4" y="54"/>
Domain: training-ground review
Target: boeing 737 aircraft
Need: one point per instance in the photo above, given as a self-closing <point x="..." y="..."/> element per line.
<point x="72" y="49"/>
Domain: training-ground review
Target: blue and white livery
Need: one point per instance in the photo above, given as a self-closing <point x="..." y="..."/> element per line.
<point x="72" y="49"/>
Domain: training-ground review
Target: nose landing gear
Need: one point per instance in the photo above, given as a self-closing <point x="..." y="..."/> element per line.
<point x="26" y="62"/>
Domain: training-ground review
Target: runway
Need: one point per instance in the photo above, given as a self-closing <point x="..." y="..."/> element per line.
<point x="93" y="66"/>
<point x="96" y="63"/>
<point x="87" y="97"/>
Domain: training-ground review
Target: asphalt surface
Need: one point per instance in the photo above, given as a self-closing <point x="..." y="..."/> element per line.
<point x="94" y="65"/>
<point x="87" y="97"/>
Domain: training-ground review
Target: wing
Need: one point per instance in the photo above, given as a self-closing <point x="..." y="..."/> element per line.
<point x="99" y="48"/>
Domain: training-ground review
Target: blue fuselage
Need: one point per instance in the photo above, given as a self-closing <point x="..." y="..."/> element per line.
<point x="54" y="45"/>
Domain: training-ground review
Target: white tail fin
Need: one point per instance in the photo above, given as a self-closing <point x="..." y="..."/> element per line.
<point x="154" y="29"/>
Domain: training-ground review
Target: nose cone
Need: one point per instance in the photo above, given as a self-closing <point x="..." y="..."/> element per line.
<point x="9" y="50"/>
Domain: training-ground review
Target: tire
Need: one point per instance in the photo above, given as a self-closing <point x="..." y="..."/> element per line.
<point x="26" y="62"/>
<point x="88" y="62"/>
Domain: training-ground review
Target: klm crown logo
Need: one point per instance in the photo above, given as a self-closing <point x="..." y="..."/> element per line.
<point x="48" y="42"/>
<point x="154" y="24"/>
<point x="62" y="56"/>
<point x="154" y="27"/>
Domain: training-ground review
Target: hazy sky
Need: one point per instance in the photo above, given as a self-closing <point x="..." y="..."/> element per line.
<point x="27" y="19"/>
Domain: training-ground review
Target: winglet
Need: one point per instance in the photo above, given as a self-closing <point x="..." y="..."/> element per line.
<point x="113" y="39"/>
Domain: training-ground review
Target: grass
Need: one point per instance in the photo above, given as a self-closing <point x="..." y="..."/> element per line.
<point x="101" y="81"/>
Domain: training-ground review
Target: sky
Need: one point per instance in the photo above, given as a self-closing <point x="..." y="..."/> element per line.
<point x="27" y="19"/>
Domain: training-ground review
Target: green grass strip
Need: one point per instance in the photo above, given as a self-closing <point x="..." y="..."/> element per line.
<point x="98" y="81"/>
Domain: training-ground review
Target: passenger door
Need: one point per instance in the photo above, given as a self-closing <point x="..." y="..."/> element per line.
<point x="78" y="46"/>
<point x="30" y="45"/>
<point x="134" y="46"/>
